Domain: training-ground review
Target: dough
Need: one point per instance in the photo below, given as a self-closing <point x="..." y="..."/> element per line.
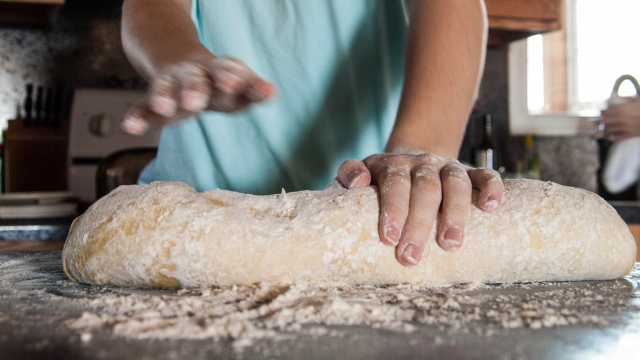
<point x="167" y="235"/>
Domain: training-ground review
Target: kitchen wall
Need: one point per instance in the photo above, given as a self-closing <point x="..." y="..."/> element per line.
<point x="569" y="161"/>
<point x="82" y="46"/>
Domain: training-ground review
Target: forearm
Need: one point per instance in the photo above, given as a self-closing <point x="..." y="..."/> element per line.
<point x="444" y="58"/>
<point x="157" y="33"/>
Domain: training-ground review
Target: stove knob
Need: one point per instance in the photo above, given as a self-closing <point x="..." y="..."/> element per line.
<point x="100" y="125"/>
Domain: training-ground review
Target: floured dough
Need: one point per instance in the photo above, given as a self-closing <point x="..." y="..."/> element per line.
<point x="168" y="235"/>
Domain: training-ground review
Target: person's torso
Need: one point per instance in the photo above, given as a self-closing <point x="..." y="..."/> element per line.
<point x="338" y="67"/>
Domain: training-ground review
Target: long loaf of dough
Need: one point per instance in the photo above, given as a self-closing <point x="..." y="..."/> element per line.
<point x="167" y="235"/>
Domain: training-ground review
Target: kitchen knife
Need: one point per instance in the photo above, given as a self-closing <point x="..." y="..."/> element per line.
<point x="28" y="106"/>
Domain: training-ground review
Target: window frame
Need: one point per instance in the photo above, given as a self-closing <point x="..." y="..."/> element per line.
<point x="521" y="121"/>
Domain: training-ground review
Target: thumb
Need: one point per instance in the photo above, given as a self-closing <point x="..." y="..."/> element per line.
<point x="354" y="174"/>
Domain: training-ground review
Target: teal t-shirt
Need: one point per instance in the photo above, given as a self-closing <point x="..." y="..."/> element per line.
<point x="338" y="66"/>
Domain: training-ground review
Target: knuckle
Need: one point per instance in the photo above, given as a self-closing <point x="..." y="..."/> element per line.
<point x="186" y="67"/>
<point x="199" y="84"/>
<point x="428" y="181"/>
<point x="162" y="84"/>
<point x="420" y="223"/>
<point x="494" y="179"/>
<point x="456" y="209"/>
<point x="397" y="170"/>
<point x="492" y="173"/>
<point x="349" y="163"/>
<point x="398" y="161"/>
<point x="393" y="209"/>
<point x="135" y="112"/>
<point x="429" y="172"/>
<point x="233" y="59"/>
<point x="455" y="171"/>
<point x="233" y="62"/>
<point x="429" y="159"/>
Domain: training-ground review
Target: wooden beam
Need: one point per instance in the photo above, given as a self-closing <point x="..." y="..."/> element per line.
<point x="31" y="245"/>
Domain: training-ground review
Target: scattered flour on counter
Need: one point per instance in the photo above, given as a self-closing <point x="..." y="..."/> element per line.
<point x="245" y="314"/>
<point x="40" y="294"/>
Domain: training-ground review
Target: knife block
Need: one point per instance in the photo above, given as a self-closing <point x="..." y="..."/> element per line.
<point x="35" y="157"/>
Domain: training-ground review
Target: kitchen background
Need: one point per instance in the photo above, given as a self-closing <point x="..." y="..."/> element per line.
<point x="82" y="46"/>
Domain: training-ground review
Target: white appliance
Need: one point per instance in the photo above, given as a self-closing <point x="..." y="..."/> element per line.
<point x="37" y="205"/>
<point x="95" y="133"/>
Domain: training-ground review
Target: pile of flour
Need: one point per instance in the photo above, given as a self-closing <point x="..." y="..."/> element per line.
<point x="250" y="313"/>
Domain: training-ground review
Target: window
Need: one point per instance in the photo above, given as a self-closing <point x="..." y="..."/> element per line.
<point x="570" y="73"/>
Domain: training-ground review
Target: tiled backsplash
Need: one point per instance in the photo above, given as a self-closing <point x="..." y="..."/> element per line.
<point x="569" y="161"/>
<point x="83" y="47"/>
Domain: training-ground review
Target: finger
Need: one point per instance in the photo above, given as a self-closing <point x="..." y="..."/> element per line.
<point x="491" y="188"/>
<point x="620" y="120"/>
<point x="456" y="206"/>
<point x="162" y="98"/>
<point x="618" y="130"/>
<point x="231" y="76"/>
<point x="134" y="121"/>
<point x="613" y="124"/>
<point x="621" y="110"/>
<point x="139" y="118"/>
<point x="260" y="90"/>
<point x="393" y="177"/>
<point x="195" y="88"/>
<point x="618" y="138"/>
<point x="426" y="194"/>
<point x="224" y="102"/>
<point x="615" y="129"/>
<point x="354" y="174"/>
<point x="620" y="135"/>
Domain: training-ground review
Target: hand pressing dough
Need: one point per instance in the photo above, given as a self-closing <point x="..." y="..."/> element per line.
<point x="167" y="235"/>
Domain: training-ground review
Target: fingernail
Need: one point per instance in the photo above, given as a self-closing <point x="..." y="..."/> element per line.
<point x="392" y="234"/>
<point x="135" y="126"/>
<point x="491" y="204"/>
<point x="452" y="239"/>
<point x="362" y="180"/>
<point x="412" y="254"/>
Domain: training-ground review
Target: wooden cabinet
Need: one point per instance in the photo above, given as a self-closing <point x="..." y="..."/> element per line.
<point x="635" y="231"/>
<point x="511" y="20"/>
<point x="33" y="12"/>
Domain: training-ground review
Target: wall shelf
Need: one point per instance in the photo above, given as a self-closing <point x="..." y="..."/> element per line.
<point x="511" y="20"/>
<point x="28" y="12"/>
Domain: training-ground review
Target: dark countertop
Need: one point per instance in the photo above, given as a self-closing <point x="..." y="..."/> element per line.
<point x="629" y="211"/>
<point x="35" y="229"/>
<point x="36" y="299"/>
